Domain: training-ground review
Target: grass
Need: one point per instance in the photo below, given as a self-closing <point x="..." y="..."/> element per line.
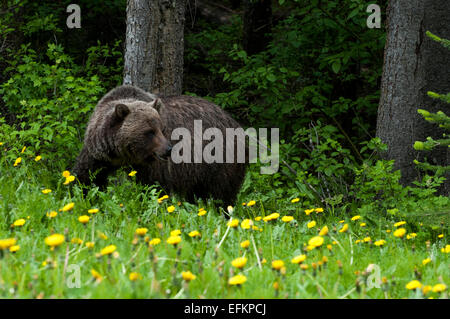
<point x="38" y="271"/>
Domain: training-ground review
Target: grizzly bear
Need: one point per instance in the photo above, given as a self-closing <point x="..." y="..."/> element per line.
<point x="132" y="128"/>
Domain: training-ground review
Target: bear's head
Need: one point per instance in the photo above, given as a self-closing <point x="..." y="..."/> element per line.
<point x="138" y="130"/>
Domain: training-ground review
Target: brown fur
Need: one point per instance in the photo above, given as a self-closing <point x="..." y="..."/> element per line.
<point x="117" y="135"/>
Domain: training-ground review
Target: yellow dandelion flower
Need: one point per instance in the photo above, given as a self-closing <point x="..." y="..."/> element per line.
<point x="7" y="243"/>
<point x="132" y="173"/>
<point x="399" y="223"/>
<point x="161" y="199"/>
<point x="411" y="235"/>
<point x="308" y="211"/>
<point x="367" y="239"/>
<point x="362" y="224"/>
<point x="175" y="232"/>
<point x="66" y="174"/>
<point x="414" y="284"/>
<point x="426" y="289"/>
<point x="96" y="275"/>
<point x="271" y="217"/>
<point x="38" y="158"/>
<point x="316" y="241"/>
<point x="154" y="241"/>
<point x="14" y="248"/>
<point x="344" y="228"/>
<point x="54" y="240"/>
<point x="103" y="236"/>
<point x="298" y="259"/>
<point x="188" y="276"/>
<point x="239" y="262"/>
<point x="319" y="210"/>
<point x="251" y="203"/>
<point x="46" y="191"/>
<point x="108" y="250"/>
<point x="380" y="242"/>
<point x="441" y="236"/>
<point x="90" y="244"/>
<point x="134" y="276"/>
<point x="23" y="149"/>
<point x="194" y="233"/>
<point x="400" y="232"/>
<point x="19" y="222"/>
<point x="446" y="249"/>
<point x="171" y="208"/>
<point x="69" y="179"/>
<point x="68" y="207"/>
<point x="141" y="231"/>
<point x="93" y="210"/>
<point x="246" y="224"/>
<point x="258" y="218"/>
<point x="277" y="264"/>
<point x="52" y="214"/>
<point x="245" y="244"/>
<point x="355" y="217"/>
<point x="202" y="213"/>
<point x="287" y="219"/>
<point x="323" y="231"/>
<point x="84" y="219"/>
<point x="18" y="161"/>
<point x="311" y="224"/>
<point x="237" y="280"/>
<point x="439" y="288"/>
<point x="295" y="200"/>
<point x="426" y="261"/>
<point x="77" y="241"/>
<point x="233" y="223"/>
<point x="174" y="240"/>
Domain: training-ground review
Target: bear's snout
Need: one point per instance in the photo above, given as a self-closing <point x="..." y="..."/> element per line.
<point x="168" y="152"/>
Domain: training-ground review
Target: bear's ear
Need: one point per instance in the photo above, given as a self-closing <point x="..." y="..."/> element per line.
<point x="121" y="111"/>
<point x="158" y="105"/>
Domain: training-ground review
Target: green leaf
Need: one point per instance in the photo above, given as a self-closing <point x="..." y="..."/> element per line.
<point x="336" y="66"/>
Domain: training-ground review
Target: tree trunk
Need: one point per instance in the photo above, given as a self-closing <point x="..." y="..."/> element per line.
<point x="155" y="45"/>
<point x="257" y="25"/>
<point x="413" y="65"/>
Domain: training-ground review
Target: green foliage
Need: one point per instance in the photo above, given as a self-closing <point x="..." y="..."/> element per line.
<point x="439" y="118"/>
<point x="323" y="63"/>
<point x="51" y="103"/>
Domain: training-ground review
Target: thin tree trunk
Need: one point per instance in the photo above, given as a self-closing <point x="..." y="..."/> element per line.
<point x="155" y="45"/>
<point x="413" y="65"/>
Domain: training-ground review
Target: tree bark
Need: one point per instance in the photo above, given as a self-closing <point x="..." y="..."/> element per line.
<point x="257" y="25"/>
<point x="413" y="65"/>
<point x="155" y="45"/>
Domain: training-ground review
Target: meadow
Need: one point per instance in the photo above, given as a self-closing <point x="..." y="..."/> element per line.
<point x="131" y="241"/>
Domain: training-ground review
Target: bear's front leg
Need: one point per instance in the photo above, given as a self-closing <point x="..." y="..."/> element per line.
<point x="87" y="170"/>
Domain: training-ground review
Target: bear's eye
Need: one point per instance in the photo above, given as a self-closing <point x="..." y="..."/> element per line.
<point x="150" y="133"/>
